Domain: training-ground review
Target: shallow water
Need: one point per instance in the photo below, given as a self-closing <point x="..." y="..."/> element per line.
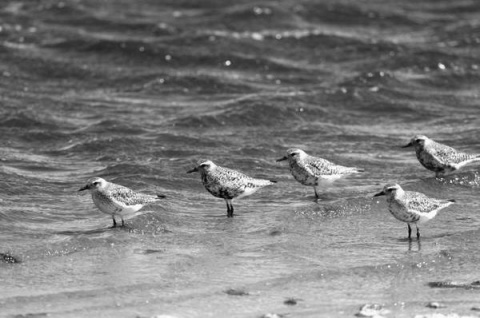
<point x="136" y="92"/>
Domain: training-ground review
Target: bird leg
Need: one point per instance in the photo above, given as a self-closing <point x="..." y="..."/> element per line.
<point x="316" y="193"/>
<point x="229" y="208"/>
<point x="410" y="231"/>
<point x="114" y="222"/>
<point x="123" y="223"/>
<point x="418" y="232"/>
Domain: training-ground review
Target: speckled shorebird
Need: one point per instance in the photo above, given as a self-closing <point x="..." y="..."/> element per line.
<point x="116" y="200"/>
<point x="438" y="157"/>
<point x="226" y="183"/>
<point x="313" y="171"/>
<point x="412" y="207"/>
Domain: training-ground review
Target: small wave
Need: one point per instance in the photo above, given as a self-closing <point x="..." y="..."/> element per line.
<point x="249" y="111"/>
<point x="24" y="120"/>
<point x="95" y="147"/>
<point x="336" y="209"/>
<point x="247" y="17"/>
<point x="111" y="127"/>
<point x="353" y="15"/>
<point x="466" y="179"/>
<point x="196" y="84"/>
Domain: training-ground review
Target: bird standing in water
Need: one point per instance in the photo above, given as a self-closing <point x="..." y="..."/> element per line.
<point x="226" y="183"/>
<point x="412" y="207"/>
<point x="314" y="171"/>
<point x="438" y="157"/>
<point x="116" y="200"/>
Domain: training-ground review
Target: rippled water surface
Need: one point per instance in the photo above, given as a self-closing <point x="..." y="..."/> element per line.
<point x="137" y="91"/>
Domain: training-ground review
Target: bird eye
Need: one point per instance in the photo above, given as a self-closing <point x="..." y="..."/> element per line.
<point x="96" y="183"/>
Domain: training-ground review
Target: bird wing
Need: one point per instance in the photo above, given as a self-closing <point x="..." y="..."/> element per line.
<point x="240" y="179"/>
<point x="420" y="203"/>
<point x="448" y="155"/>
<point x="128" y="197"/>
<point x="233" y="175"/>
<point x="320" y="166"/>
<point x="234" y="182"/>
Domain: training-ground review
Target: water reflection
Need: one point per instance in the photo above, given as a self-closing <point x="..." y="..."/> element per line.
<point x="414" y="243"/>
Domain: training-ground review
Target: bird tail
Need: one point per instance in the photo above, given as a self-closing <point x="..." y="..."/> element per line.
<point x="161" y="196"/>
<point x="354" y="170"/>
<point x="451" y="200"/>
<point x="263" y="182"/>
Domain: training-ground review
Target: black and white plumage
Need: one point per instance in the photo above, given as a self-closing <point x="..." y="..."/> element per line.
<point x="116" y="200"/>
<point x="412" y="207"/>
<point x="438" y="157"/>
<point x="226" y="183"/>
<point x="314" y="171"/>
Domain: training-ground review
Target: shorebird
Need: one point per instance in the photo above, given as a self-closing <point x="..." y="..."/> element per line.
<point x="226" y="183"/>
<point x="412" y="207"/>
<point x="313" y="171"/>
<point x="116" y="200"/>
<point x="438" y="157"/>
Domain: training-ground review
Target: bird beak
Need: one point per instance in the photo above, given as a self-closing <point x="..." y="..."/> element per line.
<point x="408" y="145"/>
<point x="379" y="194"/>
<point x="193" y="170"/>
<point x="84" y="188"/>
<point x="282" y="159"/>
